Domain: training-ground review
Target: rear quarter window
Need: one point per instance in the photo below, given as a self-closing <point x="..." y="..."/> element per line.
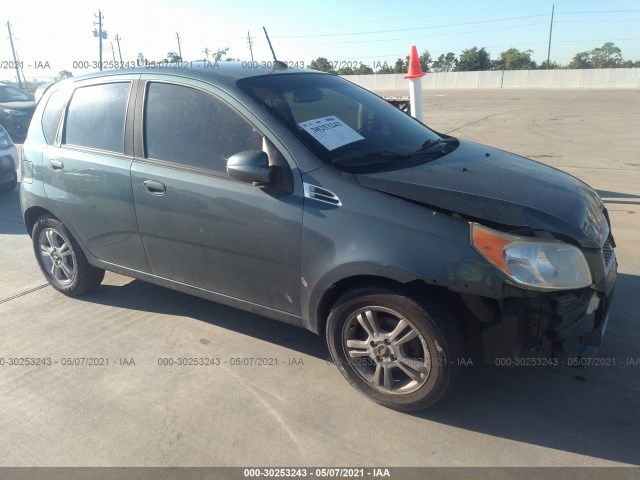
<point x="50" y="115"/>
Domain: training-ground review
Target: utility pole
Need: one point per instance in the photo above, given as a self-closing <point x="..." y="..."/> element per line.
<point x="15" y="57"/>
<point x="118" y="38"/>
<point x="250" y="43"/>
<point x="99" y="33"/>
<point x="179" y="48"/>
<point x="550" y="31"/>
<point x="113" y="52"/>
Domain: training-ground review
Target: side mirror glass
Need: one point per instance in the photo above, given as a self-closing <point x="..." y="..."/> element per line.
<point x="250" y="166"/>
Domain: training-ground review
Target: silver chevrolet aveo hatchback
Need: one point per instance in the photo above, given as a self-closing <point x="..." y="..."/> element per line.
<point x="301" y="197"/>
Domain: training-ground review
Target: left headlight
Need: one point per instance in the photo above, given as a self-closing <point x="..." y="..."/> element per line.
<point x="533" y="262"/>
<point x="5" y="139"/>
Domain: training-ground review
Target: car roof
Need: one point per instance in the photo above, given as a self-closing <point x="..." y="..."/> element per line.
<point x="218" y="72"/>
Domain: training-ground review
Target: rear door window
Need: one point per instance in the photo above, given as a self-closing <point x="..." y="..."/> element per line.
<point x="96" y="117"/>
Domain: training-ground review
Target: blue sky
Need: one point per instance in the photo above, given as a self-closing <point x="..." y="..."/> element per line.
<point x="357" y="31"/>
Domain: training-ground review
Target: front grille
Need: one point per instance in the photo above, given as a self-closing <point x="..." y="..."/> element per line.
<point x="607" y="250"/>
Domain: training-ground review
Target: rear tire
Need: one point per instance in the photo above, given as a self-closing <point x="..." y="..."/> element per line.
<point x="400" y="351"/>
<point x="61" y="259"/>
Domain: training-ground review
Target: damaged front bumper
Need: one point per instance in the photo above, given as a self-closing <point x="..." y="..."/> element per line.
<point x="564" y="325"/>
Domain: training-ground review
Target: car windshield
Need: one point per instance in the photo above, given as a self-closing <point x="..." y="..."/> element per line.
<point x="344" y="124"/>
<point x="13" y="94"/>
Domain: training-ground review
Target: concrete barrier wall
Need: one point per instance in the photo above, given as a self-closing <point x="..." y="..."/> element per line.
<point x="595" y="78"/>
<point x="490" y="79"/>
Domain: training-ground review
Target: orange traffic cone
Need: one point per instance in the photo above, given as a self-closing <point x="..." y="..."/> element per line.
<point x="415" y="69"/>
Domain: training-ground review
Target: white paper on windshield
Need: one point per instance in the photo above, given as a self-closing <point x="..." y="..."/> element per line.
<point x="331" y="132"/>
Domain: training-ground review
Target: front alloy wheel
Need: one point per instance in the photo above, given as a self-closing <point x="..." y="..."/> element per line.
<point x="386" y="350"/>
<point x="401" y="351"/>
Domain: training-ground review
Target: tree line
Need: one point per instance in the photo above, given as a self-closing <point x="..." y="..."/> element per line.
<point x="474" y="59"/>
<point x="470" y="60"/>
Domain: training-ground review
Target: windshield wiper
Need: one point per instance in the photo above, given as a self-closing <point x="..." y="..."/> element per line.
<point x="381" y="156"/>
<point x="433" y="145"/>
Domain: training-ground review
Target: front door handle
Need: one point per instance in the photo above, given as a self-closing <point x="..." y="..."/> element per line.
<point x="56" y="164"/>
<point x="154" y="187"/>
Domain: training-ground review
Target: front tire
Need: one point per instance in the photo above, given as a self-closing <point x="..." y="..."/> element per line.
<point x="401" y="352"/>
<point x="61" y="259"/>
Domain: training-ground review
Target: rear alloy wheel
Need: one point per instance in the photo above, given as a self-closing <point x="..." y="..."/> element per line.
<point x="401" y="352"/>
<point x="61" y="259"/>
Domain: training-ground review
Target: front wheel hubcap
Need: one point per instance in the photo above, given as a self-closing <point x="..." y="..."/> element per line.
<point x="386" y="350"/>
<point x="57" y="256"/>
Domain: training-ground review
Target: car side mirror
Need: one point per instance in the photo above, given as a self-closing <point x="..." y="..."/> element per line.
<point x="251" y="166"/>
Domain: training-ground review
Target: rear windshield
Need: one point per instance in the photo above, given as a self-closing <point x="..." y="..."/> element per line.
<point x="337" y="119"/>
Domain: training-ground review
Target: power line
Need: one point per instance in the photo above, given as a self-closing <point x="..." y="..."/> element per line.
<point x="446" y="25"/>
<point x="519" y="7"/>
<point x="601" y="40"/>
<point x="598" y="21"/>
<point x="355" y="33"/>
<point x="409" y="29"/>
<point x="598" y="11"/>
<point x="430" y="16"/>
<point x="421" y="36"/>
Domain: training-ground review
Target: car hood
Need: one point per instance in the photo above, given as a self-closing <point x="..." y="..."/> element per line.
<point x="497" y="186"/>
<point x="25" y="106"/>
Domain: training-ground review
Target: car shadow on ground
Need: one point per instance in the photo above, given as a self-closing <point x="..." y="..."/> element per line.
<point x="619" y="198"/>
<point x="142" y="296"/>
<point x="592" y="411"/>
<point x="10" y="215"/>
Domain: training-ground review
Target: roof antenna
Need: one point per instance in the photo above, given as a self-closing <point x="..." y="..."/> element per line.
<point x="277" y="64"/>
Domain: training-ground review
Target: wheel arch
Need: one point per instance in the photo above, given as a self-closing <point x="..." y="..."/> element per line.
<point x="32" y="214"/>
<point x="415" y="287"/>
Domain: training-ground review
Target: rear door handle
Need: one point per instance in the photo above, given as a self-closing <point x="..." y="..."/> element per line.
<point x="56" y="164"/>
<point x="154" y="187"/>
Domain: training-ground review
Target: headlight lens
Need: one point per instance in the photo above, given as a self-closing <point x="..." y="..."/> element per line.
<point x="533" y="262"/>
<point x="5" y="139"/>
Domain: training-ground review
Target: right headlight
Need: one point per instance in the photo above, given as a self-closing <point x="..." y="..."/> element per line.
<point x="5" y="139"/>
<point x="533" y="262"/>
